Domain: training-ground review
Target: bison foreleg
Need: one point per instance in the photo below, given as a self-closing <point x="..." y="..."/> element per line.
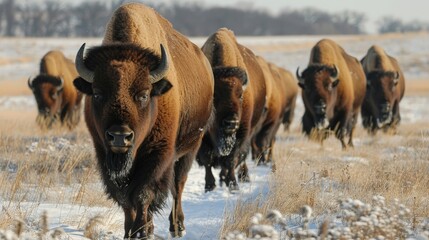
<point x="130" y="216"/>
<point x="177" y="218"/>
<point x="210" y="180"/>
<point x="142" y="223"/>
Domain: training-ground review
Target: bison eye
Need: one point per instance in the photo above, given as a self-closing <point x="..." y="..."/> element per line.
<point x="142" y="99"/>
<point x="97" y="97"/>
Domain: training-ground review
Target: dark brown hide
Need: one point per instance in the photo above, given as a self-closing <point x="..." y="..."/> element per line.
<point x="234" y="115"/>
<point x="56" y="97"/>
<point x="333" y="88"/>
<point x="385" y="89"/>
<point x="146" y="130"/>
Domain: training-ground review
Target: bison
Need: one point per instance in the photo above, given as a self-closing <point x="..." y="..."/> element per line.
<point x="149" y="102"/>
<point x="56" y="97"/>
<point x="239" y="100"/>
<point x="385" y="89"/>
<point x="289" y="95"/>
<point x="333" y="88"/>
<point x="276" y="104"/>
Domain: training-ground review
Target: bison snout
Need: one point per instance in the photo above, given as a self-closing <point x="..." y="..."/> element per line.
<point x="230" y="125"/>
<point x="120" y="139"/>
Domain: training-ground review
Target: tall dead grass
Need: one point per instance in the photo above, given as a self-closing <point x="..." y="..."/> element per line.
<point x="396" y="167"/>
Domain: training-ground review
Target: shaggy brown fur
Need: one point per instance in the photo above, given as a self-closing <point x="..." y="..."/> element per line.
<point x="238" y="113"/>
<point x="385" y="89"/>
<point x="56" y="100"/>
<point x="158" y="126"/>
<point x="332" y="99"/>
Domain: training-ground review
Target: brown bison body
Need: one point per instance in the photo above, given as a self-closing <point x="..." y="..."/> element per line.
<point x="239" y="100"/>
<point x="147" y="110"/>
<point x="333" y="88"/>
<point x="276" y="106"/>
<point x="56" y="97"/>
<point x="385" y="89"/>
<point x="289" y="96"/>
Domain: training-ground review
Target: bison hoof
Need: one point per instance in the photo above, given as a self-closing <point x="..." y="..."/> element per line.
<point x="178" y="235"/>
<point x="209" y="187"/>
<point x="244" y="178"/>
<point x="233" y="187"/>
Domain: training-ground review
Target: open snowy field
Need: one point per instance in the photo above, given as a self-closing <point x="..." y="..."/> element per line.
<point x="54" y="172"/>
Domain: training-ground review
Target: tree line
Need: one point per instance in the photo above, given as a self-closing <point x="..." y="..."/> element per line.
<point x="88" y="19"/>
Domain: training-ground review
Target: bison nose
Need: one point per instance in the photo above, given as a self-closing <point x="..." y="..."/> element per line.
<point x="230" y="125"/>
<point x="120" y="139"/>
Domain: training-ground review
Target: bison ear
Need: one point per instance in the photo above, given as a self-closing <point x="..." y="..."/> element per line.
<point x="83" y="86"/>
<point x="160" y="87"/>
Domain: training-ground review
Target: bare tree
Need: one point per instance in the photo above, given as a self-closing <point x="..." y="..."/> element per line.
<point x="91" y="18"/>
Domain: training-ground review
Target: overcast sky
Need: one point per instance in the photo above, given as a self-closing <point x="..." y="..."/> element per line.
<point x="406" y="10"/>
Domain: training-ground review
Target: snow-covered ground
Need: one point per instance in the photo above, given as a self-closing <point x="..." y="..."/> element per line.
<point x="203" y="211"/>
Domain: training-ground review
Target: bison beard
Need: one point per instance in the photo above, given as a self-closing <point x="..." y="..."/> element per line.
<point x="226" y="144"/>
<point x="119" y="166"/>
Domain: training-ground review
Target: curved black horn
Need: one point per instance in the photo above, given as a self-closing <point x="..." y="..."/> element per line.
<point x="59" y="87"/>
<point x="300" y="79"/>
<point x="335" y="74"/>
<point x="84" y="72"/>
<point x="161" y="70"/>
<point x="396" y="75"/>
<point x="30" y="82"/>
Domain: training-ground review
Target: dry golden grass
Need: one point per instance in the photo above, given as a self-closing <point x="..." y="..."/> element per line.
<point x="395" y="167"/>
<point x="36" y="166"/>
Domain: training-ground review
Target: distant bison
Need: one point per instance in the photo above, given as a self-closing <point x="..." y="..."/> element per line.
<point x="289" y="95"/>
<point x="385" y="89"/>
<point x="239" y="100"/>
<point x="149" y="102"/>
<point x="57" y="99"/>
<point x="276" y="105"/>
<point x="333" y="88"/>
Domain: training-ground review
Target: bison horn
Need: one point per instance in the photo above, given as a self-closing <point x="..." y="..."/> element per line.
<point x="299" y="77"/>
<point x="30" y="82"/>
<point x="59" y="87"/>
<point x="335" y="73"/>
<point x="161" y="70"/>
<point x="83" y="71"/>
<point x="396" y="78"/>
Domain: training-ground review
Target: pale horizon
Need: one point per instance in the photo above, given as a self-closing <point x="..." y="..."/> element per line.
<point x="406" y="11"/>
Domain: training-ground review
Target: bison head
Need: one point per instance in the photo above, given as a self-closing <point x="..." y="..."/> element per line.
<point x="122" y="83"/>
<point x="319" y="92"/>
<point x="230" y="83"/>
<point x="381" y="87"/>
<point x="47" y="91"/>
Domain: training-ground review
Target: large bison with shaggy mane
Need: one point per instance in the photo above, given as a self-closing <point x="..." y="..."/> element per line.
<point x="333" y="88"/>
<point x="57" y="99"/>
<point x="149" y="101"/>
<point x="239" y="100"/>
<point x="385" y="89"/>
